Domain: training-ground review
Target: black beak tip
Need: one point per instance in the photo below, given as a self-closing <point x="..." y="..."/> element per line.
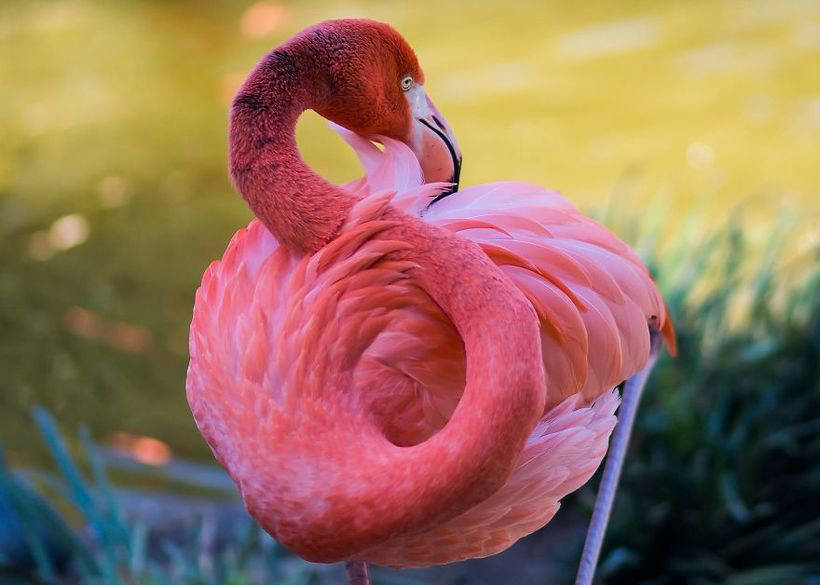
<point x="454" y="180"/>
<point x="457" y="160"/>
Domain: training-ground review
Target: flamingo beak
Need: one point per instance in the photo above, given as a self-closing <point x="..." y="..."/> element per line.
<point x="433" y="141"/>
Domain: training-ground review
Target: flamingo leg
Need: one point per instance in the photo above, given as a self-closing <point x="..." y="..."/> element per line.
<point x="633" y="389"/>
<point x="357" y="573"/>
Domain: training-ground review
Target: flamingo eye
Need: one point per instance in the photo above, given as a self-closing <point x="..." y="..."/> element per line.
<point x="406" y="83"/>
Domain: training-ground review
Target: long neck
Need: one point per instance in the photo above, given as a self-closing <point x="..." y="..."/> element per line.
<point x="504" y="394"/>
<point x="300" y="208"/>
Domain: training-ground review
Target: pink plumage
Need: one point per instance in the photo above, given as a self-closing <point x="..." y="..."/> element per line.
<point x="276" y="334"/>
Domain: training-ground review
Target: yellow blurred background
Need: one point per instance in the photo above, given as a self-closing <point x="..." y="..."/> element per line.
<point x="114" y="195"/>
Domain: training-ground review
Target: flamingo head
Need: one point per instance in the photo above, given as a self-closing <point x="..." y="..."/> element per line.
<point x="373" y="86"/>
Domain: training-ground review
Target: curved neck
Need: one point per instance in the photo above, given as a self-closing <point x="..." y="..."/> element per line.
<point x="298" y="206"/>
<point x="505" y="391"/>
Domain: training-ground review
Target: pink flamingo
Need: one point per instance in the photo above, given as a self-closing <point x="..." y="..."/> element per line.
<point x="391" y="371"/>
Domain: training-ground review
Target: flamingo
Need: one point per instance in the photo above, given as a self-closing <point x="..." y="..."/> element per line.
<point x="394" y="371"/>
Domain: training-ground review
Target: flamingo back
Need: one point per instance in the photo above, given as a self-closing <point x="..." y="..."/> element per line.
<point x="275" y="334"/>
<point x="594" y="296"/>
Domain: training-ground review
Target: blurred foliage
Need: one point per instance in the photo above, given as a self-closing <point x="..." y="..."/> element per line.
<point x="39" y="548"/>
<point x="722" y="480"/>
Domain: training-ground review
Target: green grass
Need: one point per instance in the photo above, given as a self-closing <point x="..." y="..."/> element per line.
<point x="116" y="550"/>
<point x="722" y="477"/>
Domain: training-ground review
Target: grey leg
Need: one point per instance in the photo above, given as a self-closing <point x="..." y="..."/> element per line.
<point x="633" y="388"/>
<point x="357" y="573"/>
